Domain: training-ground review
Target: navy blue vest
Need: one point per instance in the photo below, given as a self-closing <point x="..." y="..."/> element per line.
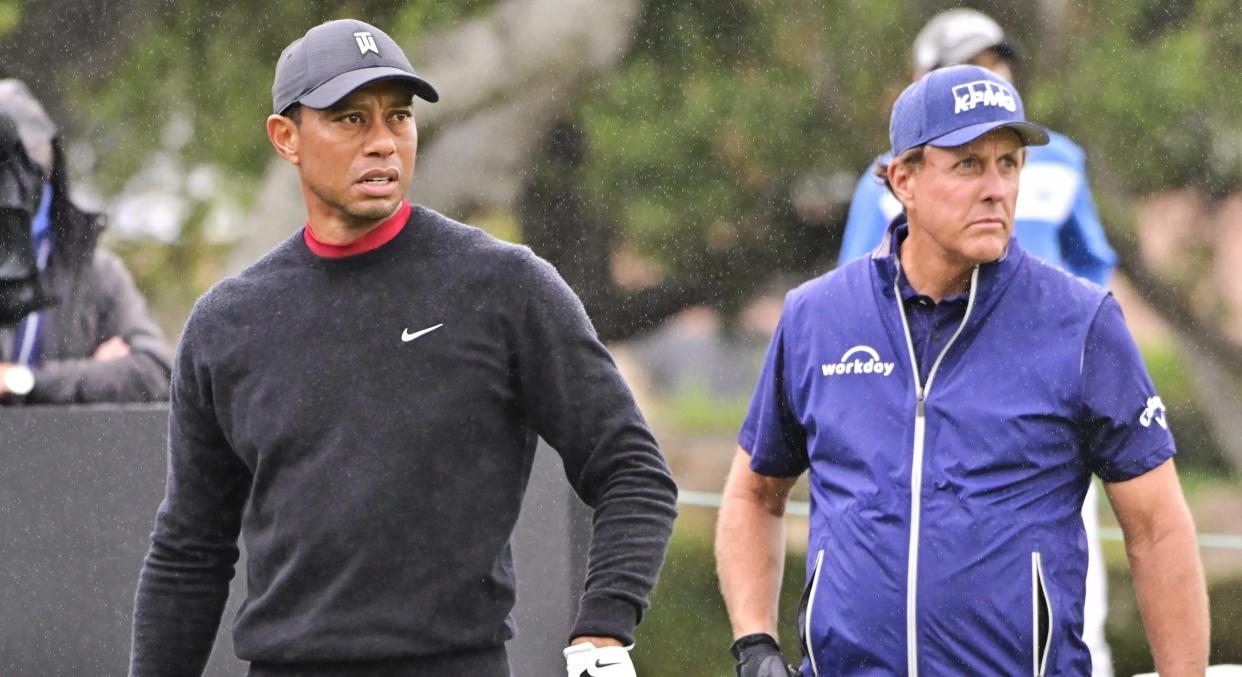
<point x="984" y="572"/>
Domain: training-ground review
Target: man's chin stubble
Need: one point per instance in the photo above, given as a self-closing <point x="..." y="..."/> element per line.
<point x="363" y="216"/>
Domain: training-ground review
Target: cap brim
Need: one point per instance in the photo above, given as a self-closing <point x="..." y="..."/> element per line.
<point x="1010" y="50"/>
<point x="342" y="85"/>
<point x="1030" y="133"/>
<point x="969" y="49"/>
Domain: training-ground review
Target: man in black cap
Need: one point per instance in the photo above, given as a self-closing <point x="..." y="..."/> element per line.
<point x="73" y="326"/>
<point x="362" y="405"/>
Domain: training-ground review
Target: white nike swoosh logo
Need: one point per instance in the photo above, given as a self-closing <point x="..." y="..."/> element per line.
<point x="406" y="336"/>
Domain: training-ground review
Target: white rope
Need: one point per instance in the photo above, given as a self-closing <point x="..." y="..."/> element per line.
<point x="703" y="499"/>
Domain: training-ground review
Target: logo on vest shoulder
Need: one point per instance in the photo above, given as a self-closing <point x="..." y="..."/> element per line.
<point x="982" y="92"/>
<point x="858" y="360"/>
<point x="1154" y="412"/>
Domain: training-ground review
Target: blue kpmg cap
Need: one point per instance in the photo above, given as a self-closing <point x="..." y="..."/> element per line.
<point x="953" y="106"/>
<point x="337" y="57"/>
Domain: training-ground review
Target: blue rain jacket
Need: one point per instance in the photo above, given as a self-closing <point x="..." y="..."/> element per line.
<point x="945" y="528"/>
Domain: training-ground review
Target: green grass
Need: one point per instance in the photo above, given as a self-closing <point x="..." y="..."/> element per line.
<point x="696" y="409"/>
<point x="686" y="632"/>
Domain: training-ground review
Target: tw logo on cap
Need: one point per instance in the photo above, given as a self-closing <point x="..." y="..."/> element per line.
<point x="366" y="43"/>
<point x="983" y="92"/>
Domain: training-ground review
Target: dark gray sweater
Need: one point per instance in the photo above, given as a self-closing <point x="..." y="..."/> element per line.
<point x="376" y="480"/>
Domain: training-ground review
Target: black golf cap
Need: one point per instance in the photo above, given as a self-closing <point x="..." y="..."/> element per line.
<point x="336" y="58"/>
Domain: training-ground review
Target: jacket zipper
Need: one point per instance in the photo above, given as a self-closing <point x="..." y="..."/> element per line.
<point x="921" y="392"/>
<point x="1041" y="617"/>
<point x="808" y="604"/>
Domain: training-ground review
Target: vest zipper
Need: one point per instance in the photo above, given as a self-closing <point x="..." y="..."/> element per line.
<point x="808" y="607"/>
<point x="921" y="392"/>
<point x="1041" y="617"/>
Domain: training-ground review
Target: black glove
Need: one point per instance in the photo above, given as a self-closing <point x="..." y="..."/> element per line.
<point x="759" y="655"/>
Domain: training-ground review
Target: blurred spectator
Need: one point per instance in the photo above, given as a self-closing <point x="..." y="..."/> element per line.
<point x="73" y="327"/>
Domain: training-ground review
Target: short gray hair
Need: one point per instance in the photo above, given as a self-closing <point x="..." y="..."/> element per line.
<point x="912" y="157"/>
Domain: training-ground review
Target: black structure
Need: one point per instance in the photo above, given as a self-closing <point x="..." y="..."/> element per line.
<point x="78" y="492"/>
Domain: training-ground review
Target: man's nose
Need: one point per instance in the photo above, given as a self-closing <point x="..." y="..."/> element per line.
<point x="996" y="186"/>
<point x="379" y="140"/>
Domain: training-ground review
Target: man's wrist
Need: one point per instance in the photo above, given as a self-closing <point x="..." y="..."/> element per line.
<point x="597" y="641"/>
<point x="585" y="658"/>
<point x="745" y="642"/>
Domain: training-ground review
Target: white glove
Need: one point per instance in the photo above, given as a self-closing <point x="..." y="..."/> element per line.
<point x="588" y="660"/>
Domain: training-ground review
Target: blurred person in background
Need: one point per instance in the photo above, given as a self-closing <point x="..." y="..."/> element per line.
<point x="1055" y="220"/>
<point x="73" y="327"/>
<point x="951" y="398"/>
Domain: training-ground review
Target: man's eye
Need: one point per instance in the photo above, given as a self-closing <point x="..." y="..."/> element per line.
<point x="353" y="118"/>
<point x="401" y="116"/>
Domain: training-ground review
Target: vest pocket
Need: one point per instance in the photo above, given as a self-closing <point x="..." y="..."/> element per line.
<point x="1041" y="618"/>
<point x="805" y="608"/>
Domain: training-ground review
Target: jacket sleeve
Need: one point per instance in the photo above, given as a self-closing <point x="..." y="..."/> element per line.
<point x="577" y="401"/>
<point x="140" y="376"/>
<point x="1084" y="246"/>
<point x="1124" y="432"/>
<point x="864" y="227"/>
<point x="184" y="582"/>
<point x="771" y="433"/>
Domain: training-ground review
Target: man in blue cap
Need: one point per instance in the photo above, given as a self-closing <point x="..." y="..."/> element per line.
<point x="362" y="406"/>
<point x="951" y="396"/>
<point x="1054" y="219"/>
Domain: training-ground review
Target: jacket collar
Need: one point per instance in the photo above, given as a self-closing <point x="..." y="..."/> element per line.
<point x="75" y="231"/>
<point x="993" y="276"/>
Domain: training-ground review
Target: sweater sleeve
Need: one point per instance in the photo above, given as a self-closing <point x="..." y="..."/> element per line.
<point x="185" y="577"/>
<point x="577" y="401"/>
<point x="140" y="376"/>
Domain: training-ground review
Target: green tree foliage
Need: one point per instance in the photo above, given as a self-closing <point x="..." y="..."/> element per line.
<point x="210" y="64"/>
<point x="1151" y="88"/>
<point x="723" y="114"/>
<point x="727" y="117"/>
<point x="726" y="109"/>
<point x="191" y="78"/>
<point x="698" y="144"/>
<point x="10" y="15"/>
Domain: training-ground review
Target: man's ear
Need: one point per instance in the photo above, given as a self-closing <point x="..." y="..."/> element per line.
<point x="901" y="178"/>
<point x="283" y="133"/>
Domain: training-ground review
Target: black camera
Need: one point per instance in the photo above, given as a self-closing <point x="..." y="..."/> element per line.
<point x="21" y="183"/>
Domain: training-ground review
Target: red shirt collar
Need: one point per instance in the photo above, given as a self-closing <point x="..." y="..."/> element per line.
<point x="378" y="237"/>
